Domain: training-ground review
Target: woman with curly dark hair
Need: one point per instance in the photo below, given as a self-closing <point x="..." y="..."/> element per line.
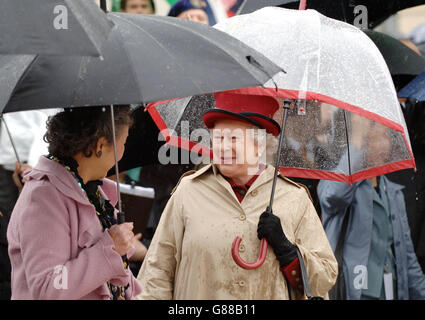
<point x="64" y="240"/>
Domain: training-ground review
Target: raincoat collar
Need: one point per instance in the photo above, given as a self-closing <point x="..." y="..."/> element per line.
<point x="64" y="181"/>
<point x="267" y="173"/>
<point x="265" y="176"/>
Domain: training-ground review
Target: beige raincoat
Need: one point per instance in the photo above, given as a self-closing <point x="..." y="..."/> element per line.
<point x="190" y="254"/>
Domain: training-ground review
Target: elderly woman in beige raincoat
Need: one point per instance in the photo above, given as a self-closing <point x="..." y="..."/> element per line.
<point x="190" y="254"/>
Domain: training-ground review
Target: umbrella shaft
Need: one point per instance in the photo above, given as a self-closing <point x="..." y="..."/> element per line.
<point x="116" y="160"/>
<point x="279" y="149"/>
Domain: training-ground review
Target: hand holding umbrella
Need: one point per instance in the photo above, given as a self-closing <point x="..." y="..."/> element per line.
<point x="270" y="228"/>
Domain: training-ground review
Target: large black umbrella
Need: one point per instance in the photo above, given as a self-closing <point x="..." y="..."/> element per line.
<point x="53" y="27"/>
<point x="377" y="10"/>
<point x="146" y="58"/>
<point x="404" y="63"/>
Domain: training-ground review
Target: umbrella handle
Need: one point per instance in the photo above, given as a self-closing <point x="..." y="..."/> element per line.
<point x="249" y="265"/>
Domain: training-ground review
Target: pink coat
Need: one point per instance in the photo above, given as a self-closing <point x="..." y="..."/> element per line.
<point x="56" y="244"/>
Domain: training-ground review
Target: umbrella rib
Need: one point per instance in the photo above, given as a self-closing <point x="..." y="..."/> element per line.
<point x="348" y="146"/>
<point x="77" y="16"/>
<point x="19" y="82"/>
<point x="77" y="82"/>
<point x="159" y="44"/>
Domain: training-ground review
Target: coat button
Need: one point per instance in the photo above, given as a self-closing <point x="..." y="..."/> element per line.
<point x="254" y="193"/>
<point x="242" y="283"/>
<point x="241" y="248"/>
<point x="293" y="273"/>
<point x="242" y="217"/>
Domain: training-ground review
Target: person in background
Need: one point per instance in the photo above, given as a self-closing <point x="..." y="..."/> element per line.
<point x="194" y="10"/>
<point x="138" y="6"/>
<point x="417" y="36"/>
<point x="412" y="180"/>
<point x="378" y="260"/>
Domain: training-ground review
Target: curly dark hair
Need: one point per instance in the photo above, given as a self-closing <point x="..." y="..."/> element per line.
<point x="78" y="129"/>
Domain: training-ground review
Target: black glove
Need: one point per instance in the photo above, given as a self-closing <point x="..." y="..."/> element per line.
<point x="269" y="227"/>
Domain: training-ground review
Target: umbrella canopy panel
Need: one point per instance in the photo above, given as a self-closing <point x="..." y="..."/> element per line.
<point x="52" y="27"/>
<point x="12" y="67"/>
<point x="321" y="142"/>
<point x="326" y="60"/>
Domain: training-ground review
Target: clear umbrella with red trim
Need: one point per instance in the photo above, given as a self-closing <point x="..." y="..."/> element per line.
<point x="337" y="97"/>
<point x="338" y="86"/>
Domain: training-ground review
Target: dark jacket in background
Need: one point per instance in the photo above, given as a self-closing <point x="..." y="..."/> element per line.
<point x="414" y="182"/>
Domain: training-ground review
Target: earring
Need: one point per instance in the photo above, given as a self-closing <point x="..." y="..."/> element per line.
<point x="99" y="154"/>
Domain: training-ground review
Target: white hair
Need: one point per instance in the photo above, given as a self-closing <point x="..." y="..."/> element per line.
<point x="267" y="143"/>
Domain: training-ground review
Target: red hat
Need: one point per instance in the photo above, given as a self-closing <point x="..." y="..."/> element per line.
<point x="255" y="109"/>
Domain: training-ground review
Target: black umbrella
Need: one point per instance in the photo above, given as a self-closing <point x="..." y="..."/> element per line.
<point x="53" y="27"/>
<point x="377" y="10"/>
<point x="146" y="58"/>
<point x="404" y="63"/>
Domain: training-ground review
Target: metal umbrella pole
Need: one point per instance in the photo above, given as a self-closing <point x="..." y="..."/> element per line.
<point x="263" y="248"/>
<point x="120" y="214"/>
<point x="279" y="149"/>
